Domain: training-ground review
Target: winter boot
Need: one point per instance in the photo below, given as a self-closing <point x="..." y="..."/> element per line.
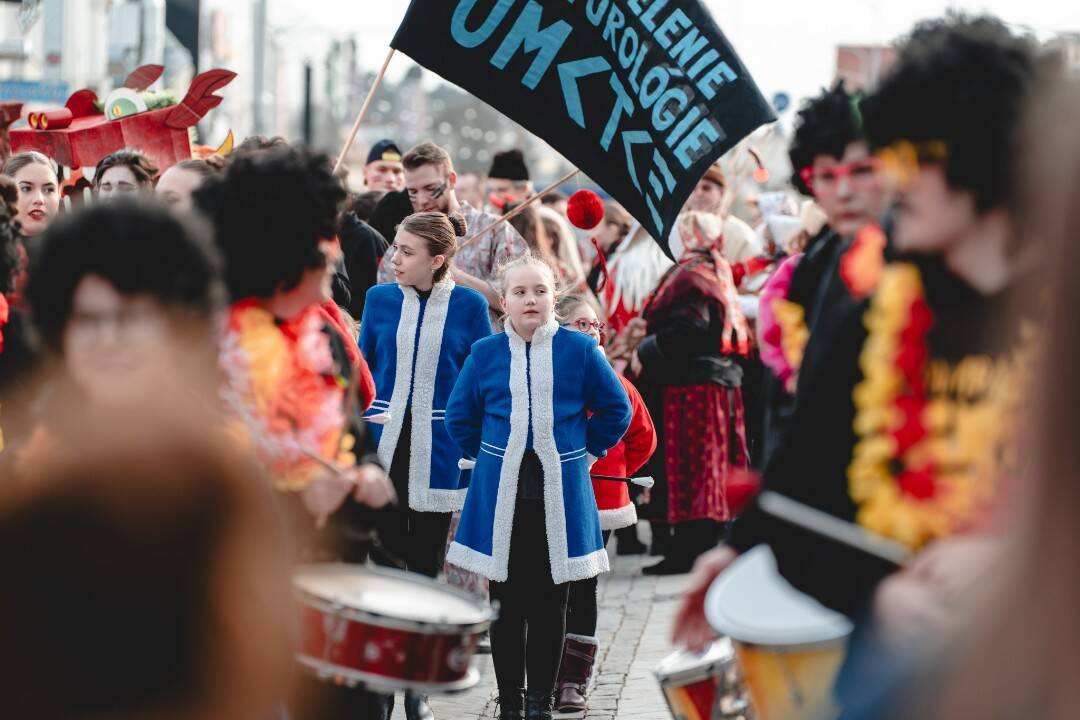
<point x="579" y="654"/>
<point x="511" y="707"/>
<point x="538" y="705"/>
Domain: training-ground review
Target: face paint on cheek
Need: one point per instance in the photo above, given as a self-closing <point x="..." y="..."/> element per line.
<point x="439" y="191"/>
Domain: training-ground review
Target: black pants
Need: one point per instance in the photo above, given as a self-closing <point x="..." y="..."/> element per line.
<point x="528" y="634"/>
<point x="581" y="613"/>
<point x="410" y="540"/>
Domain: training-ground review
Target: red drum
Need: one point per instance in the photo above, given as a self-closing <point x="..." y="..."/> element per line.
<point x="386" y="629"/>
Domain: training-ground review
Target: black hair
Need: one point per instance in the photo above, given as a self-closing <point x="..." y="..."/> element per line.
<point x="138" y="248"/>
<point x="963" y="81"/>
<point x="10" y="253"/>
<point x="270" y="211"/>
<point x="826" y="125"/>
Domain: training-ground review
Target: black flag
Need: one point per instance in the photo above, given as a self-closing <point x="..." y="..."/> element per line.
<point x="641" y="95"/>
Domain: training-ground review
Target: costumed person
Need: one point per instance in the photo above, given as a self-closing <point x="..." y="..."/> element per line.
<point x="710" y="196"/>
<point x="1019" y="589"/>
<point x="687" y="368"/>
<point x="941" y="367"/>
<point x="833" y="165"/>
<point x="124" y="172"/>
<point x="416" y="335"/>
<point x="289" y="376"/>
<point x="520" y="411"/>
<point x="616" y="511"/>
<point x="430" y="181"/>
<point x="508" y="180"/>
<point x="383" y="171"/>
<point x="180" y="181"/>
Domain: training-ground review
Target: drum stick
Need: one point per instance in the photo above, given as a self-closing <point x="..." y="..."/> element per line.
<point x="645" y="482"/>
<point x="337" y="469"/>
<point x="520" y="208"/>
<point x="832" y="527"/>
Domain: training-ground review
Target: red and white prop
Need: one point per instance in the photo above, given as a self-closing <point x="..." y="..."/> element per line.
<point x="387" y="630"/>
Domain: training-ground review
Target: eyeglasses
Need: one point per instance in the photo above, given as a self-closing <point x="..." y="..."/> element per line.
<point x="858" y="173"/>
<point x="901" y="160"/>
<point x="586" y="325"/>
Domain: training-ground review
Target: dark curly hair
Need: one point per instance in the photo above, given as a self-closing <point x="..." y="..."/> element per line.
<point x="10" y="254"/>
<point x="139" y="248"/>
<point x="270" y="210"/>
<point x="964" y="81"/>
<point x="826" y="125"/>
<point x="144" y="171"/>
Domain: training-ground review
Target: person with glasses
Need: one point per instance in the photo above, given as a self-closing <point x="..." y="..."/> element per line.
<point x="430" y="182"/>
<point x="617" y="511"/>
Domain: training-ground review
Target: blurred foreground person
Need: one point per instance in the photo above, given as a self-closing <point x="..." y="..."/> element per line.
<point x="938" y="378"/>
<point x="144" y="577"/>
<point x="1015" y="599"/>
<point x="290" y="377"/>
<point x="123" y="299"/>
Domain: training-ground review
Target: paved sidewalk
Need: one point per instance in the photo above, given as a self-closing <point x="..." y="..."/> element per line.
<point x="634" y="627"/>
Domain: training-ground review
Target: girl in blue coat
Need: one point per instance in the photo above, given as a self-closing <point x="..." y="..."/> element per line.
<point x="415" y="335"/>
<point x="520" y="410"/>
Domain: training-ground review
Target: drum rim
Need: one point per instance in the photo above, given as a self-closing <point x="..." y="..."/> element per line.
<point x="373" y="618"/>
<point x="726" y="657"/>
<point x="385" y="683"/>
<point x="694" y="674"/>
<point x="841" y="626"/>
<point x="367" y="617"/>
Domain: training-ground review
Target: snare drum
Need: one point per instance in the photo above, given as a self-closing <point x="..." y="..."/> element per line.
<point x="788" y="645"/>
<point x="386" y="629"/>
<point x="702" y="686"/>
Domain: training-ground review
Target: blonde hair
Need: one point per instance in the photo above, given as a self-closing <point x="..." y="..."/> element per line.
<point x="526" y="260"/>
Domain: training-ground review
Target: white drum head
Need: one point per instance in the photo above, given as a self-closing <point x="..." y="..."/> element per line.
<point x="752" y="603"/>
<point x="682" y="663"/>
<point x="389" y="593"/>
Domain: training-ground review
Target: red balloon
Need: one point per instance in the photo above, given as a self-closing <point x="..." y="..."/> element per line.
<point x="585" y="209"/>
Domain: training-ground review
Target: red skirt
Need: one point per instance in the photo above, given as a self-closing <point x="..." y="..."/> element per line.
<point x="704" y="441"/>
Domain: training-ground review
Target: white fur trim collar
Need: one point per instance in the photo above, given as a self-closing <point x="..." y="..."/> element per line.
<point x="422" y="385"/>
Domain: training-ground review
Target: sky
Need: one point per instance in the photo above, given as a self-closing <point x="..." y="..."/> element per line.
<point x="788" y="45"/>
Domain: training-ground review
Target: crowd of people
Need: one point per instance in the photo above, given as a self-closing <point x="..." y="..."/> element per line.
<point x="213" y="372"/>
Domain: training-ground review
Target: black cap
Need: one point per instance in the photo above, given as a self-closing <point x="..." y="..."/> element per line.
<point x="509" y="165"/>
<point x="384" y="150"/>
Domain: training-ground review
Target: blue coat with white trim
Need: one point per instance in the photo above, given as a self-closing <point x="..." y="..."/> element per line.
<point x="415" y="347"/>
<point x="511" y="397"/>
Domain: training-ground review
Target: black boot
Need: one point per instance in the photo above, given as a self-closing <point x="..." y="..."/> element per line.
<point x="627" y="542"/>
<point x="511" y="707"/>
<point x="538" y="705"/>
<point x="416" y="707"/>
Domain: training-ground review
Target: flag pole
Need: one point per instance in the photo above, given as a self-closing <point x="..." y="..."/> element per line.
<point x="521" y="207"/>
<point x="363" y="110"/>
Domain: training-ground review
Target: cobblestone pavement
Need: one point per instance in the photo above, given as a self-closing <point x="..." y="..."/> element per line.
<point x="633" y="630"/>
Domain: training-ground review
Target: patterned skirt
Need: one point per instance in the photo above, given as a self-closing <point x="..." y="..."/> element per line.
<point x="704" y="442"/>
